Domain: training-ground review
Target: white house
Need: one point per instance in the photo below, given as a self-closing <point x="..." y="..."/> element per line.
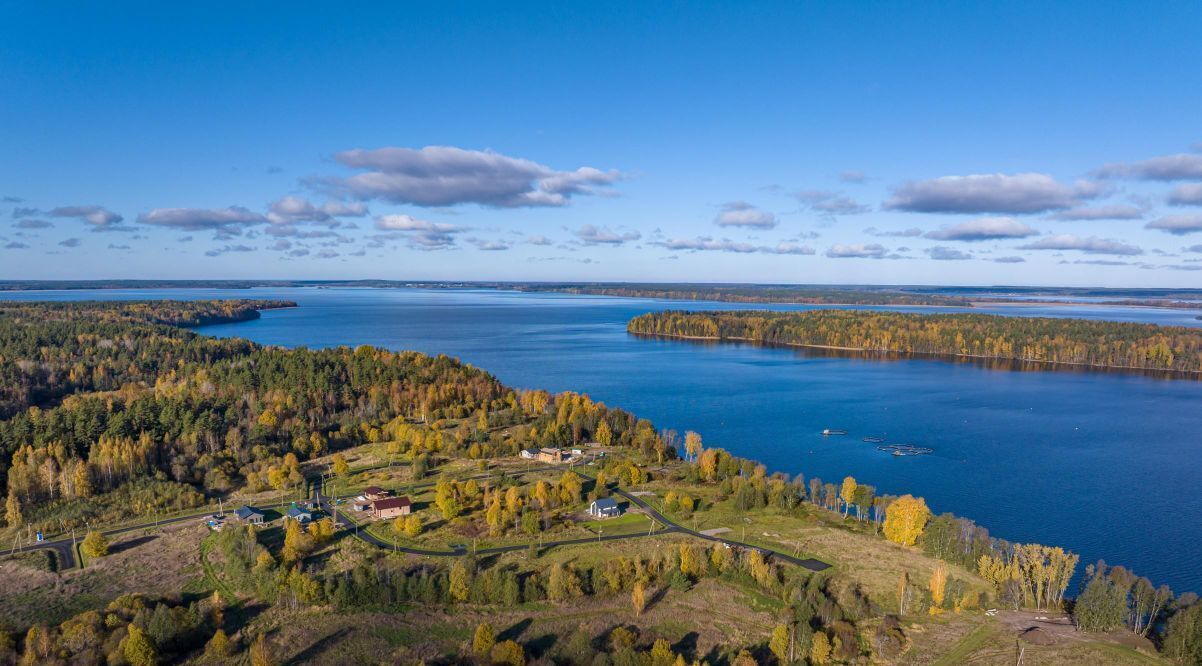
<point x="604" y="507"/>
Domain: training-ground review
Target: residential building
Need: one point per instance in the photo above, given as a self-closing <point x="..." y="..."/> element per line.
<point x="551" y="455"/>
<point x="250" y="515"/>
<point x="604" y="507"/>
<point x="391" y="507"/>
<point x="299" y="514"/>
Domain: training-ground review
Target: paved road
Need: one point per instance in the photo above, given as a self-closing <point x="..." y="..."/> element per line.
<point x="808" y="563"/>
<point x="672" y="528"/>
<point x="65" y="550"/>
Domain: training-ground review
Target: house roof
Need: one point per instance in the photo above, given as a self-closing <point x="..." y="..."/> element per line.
<point x="247" y="511"/>
<point x="390" y="503"/>
<point x="297" y="511"/>
<point x="374" y="490"/>
<point x="605" y="503"/>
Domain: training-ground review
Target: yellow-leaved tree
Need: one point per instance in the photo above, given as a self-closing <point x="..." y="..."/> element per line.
<point x="905" y="519"/>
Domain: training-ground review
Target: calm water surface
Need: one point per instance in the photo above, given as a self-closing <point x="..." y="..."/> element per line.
<point x="1104" y="464"/>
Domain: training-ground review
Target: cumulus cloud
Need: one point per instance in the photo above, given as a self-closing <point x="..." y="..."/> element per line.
<point x="293" y="210"/>
<point x="829" y="203"/>
<point x="447" y="176"/>
<point x="488" y="245"/>
<point x="1186" y="195"/>
<point x="708" y="244"/>
<point x="99" y="217"/>
<point x="592" y="235"/>
<point x="228" y="248"/>
<point x="743" y="214"/>
<point x="70" y="242"/>
<point x="538" y="239"/>
<point x="14" y="245"/>
<point x="21" y="211"/>
<point x="1193" y="248"/>
<point x="986" y="193"/>
<point x="229" y="220"/>
<point x="985" y="228"/>
<point x="33" y="224"/>
<point x="328" y="254"/>
<point x="1008" y="260"/>
<point x="1110" y="212"/>
<point x="1089" y="245"/>
<point x="1182" y="166"/>
<point x="420" y="234"/>
<point x="853" y="176"/>
<point x="114" y="246"/>
<point x="912" y="232"/>
<point x="857" y="251"/>
<point x="940" y="253"/>
<point x="1178" y="225"/>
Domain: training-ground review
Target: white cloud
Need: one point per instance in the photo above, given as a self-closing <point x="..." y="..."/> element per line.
<point x="1178" y="225"/>
<point x="743" y="214"/>
<point x="420" y="234"/>
<point x="1089" y="245"/>
<point x="447" y="176"/>
<point x="940" y="253"/>
<point x="984" y="193"/>
<point x="539" y="239"/>
<point x="292" y="210"/>
<point x="1186" y="195"/>
<point x="830" y="203"/>
<point x="99" y="217"/>
<point x="592" y="235"/>
<point x="228" y="220"/>
<point x="1108" y="212"/>
<point x="853" y="176"/>
<point x="985" y="228"/>
<point x="707" y="244"/>
<point x="857" y="251"/>
<point x="1008" y="260"/>
<point x="912" y="232"/>
<point x="1182" y="166"/>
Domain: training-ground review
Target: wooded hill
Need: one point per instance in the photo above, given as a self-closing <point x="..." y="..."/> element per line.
<point x="1083" y="342"/>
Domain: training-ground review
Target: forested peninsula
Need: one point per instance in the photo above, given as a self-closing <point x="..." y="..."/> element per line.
<point x="140" y="438"/>
<point x="1047" y="341"/>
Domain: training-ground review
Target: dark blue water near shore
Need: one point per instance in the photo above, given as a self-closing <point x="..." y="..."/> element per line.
<point x="1105" y="464"/>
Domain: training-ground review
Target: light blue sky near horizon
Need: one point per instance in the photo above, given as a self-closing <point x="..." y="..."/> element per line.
<point x="134" y="107"/>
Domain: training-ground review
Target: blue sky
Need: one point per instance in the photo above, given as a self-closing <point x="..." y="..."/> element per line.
<point x="1017" y="143"/>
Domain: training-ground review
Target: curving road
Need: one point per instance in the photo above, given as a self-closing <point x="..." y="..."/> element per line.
<point x="64" y="548"/>
<point x="671" y="528"/>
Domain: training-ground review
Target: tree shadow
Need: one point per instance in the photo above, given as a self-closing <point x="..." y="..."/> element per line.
<point x="687" y="645"/>
<point x="319" y="646"/>
<point x="132" y="543"/>
<point x="655" y="598"/>
<point x="515" y="631"/>
<point x="542" y="645"/>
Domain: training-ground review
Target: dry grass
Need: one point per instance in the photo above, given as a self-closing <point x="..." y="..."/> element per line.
<point x="155" y="564"/>
<point x="701" y="622"/>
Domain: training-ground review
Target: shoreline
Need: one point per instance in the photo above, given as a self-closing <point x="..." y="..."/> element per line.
<point x="1051" y="365"/>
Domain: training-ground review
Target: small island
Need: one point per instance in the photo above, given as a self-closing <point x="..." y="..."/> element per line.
<point x="1041" y="341"/>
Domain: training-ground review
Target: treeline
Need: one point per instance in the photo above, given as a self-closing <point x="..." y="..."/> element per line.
<point x="752" y="294"/>
<point x="104" y="396"/>
<point x="49" y="350"/>
<point x="1082" y="342"/>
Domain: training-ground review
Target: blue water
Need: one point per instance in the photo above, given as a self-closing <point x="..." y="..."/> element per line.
<point x="1104" y="464"/>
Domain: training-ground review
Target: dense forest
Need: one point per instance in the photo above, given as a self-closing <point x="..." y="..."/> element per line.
<point x="754" y="294"/>
<point x="1083" y="342"/>
<point x="113" y="409"/>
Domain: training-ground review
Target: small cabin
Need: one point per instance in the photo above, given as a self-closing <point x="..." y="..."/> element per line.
<point x="373" y="493"/>
<point x="551" y="455"/>
<point x="299" y="514"/>
<point x="250" y="515"/>
<point x="604" y="507"/>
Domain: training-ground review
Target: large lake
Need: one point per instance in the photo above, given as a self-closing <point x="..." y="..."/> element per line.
<point x="1105" y="464"/>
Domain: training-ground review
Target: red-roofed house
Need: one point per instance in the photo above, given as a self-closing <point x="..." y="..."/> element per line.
<point x="391" y="507"/>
